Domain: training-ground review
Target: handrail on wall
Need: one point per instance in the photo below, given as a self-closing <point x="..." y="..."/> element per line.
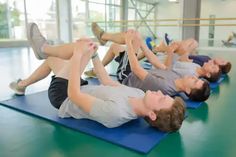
<point x="180" y="19"/>
<point x="123" y="23"/>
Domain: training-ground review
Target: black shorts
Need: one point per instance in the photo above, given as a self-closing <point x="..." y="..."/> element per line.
<point x="123" y="69"/>
<point x="57" y="91"/>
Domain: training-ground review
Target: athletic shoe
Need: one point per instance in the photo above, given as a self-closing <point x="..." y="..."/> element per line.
<point x="167" y="39"/>
<point x="36" y="40"/>
<point x="90" y="73"/>
<point x="150" y="43"/>
<point x="16" y="88"/>
<point x="98" y="32"/>
<point x="234" y="34"/>
<point x="83" y="82"/>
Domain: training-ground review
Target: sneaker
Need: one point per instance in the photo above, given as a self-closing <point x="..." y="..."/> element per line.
<point x="98" y="32"/>
<point x="150" y="43"/>
<point x="90" y="73"/>
<point x="167" y="39"/>
<point x="36" y="40"/>
<point x="234" y="34"/>
<point x="16" y="88"/>
<point x="83" y="82"/>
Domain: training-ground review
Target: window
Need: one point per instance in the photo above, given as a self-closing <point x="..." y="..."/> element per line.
<point x="12" y="19"/>
<point x="44" y="13"/>
<point x="104" y="12"/>
<point x="143" y="9"/>
<point x="79" y="19"/>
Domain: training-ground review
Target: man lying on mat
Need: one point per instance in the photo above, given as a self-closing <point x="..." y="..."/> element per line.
<point x="187" y="49"/>
<point x="131" y="73"/>
<point x="111" y="103"/>
<point x="208" y="70"/>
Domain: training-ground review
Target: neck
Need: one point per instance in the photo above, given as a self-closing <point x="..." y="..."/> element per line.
<point x="138" y="106"/>
<point x="179" y="85"/>
<point x="200" y="72"/>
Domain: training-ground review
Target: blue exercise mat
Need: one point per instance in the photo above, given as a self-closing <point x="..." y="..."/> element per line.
<point x="193" y="104"/>
<point x="136" y="135"/>
<point x="217" y="83"/>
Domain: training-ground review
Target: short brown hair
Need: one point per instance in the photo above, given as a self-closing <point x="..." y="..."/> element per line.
<point x="214" y="76"/>
<point x="171" y="119"/>
<point x="200" y="94"/>
<point x="225" y="68"/>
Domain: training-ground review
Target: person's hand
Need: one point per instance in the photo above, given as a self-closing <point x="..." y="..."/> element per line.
<point x="133" y="38"/>
<point x="172" y="48"/>
<point x="129" y="36"/>
<point x="85" y="45"/>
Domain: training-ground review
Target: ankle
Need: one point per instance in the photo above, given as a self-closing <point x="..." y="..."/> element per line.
<point x="43" y="48"/>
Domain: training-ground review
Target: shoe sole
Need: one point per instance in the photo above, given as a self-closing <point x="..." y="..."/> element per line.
<point x="90" y="76"/>
<point x="29" y="35"/>
<point x="98" y="37"/>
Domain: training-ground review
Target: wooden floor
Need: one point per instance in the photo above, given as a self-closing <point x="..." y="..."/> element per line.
<point x="208" y="131"/>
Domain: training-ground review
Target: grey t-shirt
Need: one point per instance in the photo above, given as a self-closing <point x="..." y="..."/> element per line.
<point x="111" y="107"/>
<point x="156" y="79"/>
<point x="186" y="68"/>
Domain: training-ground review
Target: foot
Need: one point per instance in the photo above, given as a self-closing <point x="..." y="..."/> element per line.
<point x="36" y="40"/>
<point x="90" y="73"/>
<point x="98" y="32"/>
<point x="234" y="34"/>
<point x="167" y="39"/>
<point x="161" y="47"/>
<point x="19" y="90"/>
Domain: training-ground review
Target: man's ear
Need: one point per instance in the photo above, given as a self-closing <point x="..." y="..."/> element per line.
<point x="208" y="75"/>
<point x="188" y="90"/>
<point x="152" y="115"/>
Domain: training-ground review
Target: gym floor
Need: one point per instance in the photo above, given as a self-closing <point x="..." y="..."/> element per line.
<point x="208" y="131"/>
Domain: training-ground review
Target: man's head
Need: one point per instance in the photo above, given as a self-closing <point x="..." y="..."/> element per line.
<point x="165" y="113"/>
<point x="224" y="65"/>
<point x="196" y="89"/>
<point x="212" y="71"/>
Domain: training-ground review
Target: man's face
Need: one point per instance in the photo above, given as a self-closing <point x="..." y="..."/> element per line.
<point x="219" y="61"/>
<point x="157" y="100"/>
<point x="210" y="67"/>
<point x="193" y="82"/>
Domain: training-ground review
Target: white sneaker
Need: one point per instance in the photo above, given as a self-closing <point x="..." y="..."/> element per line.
<point x="36" y="40"/>
<point x="16" y="88"/>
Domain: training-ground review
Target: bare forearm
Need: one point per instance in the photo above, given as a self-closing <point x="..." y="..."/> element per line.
<point x="169" y="60"/>
<point x="74" y="74"/>
<point x="83" y="100"/>
<point x="136" y="68"/>
<point x="152" y="58"/>
<point x="102" y="73"/>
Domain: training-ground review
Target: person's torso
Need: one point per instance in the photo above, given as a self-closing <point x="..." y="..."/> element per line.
<point x="156" y="79"/>
<point x="111" y="107"/>
<point x="186" y="68"/>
